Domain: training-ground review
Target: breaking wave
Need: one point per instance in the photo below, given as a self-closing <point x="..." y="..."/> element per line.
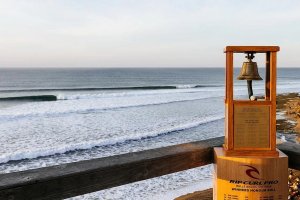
<point x="150" y="87"/>
<point x="25" y="154"/>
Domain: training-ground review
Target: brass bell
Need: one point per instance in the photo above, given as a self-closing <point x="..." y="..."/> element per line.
<point x="249" y="70"/>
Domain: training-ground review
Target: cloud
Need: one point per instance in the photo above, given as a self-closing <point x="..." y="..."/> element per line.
<point x="142" y="33"/>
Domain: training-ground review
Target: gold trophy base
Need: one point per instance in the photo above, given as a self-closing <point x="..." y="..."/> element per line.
<point x="250" y="177"/>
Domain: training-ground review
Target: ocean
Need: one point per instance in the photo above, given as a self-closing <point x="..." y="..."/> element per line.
<point x="54" y="116"/>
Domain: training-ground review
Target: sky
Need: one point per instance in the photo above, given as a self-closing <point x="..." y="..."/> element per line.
<point x="144" y="33"/>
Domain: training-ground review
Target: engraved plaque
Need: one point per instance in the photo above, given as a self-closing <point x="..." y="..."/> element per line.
<point x="251" y="126"/>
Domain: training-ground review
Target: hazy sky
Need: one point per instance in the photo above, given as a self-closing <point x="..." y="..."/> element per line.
<point x="143" y="33"/>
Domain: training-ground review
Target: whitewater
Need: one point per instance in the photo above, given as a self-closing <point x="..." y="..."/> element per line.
<point x="93" y="125"/>
<point x="94" y="122"/>
<point x="91" y="121"/>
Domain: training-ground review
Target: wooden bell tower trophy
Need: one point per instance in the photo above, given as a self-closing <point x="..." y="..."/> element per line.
<point x="248" y="166"/>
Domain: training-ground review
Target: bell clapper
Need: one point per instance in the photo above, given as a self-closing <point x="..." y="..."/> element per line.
<point x="250" y="56"/>
<point x="250" y="90"/>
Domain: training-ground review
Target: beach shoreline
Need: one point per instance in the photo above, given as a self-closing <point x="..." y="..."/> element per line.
<point x="288" y="112"/>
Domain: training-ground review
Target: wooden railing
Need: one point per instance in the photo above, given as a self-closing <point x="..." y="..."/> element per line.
<point x="73" y="179"/>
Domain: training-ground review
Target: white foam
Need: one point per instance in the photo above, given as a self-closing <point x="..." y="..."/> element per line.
<point x="194" y="187"/>
<point x="185" y="86"/>
<point x="135" y="93"/>
<point x="165" y="187"/>
<point x="62" y="148"/>
<point x="38" y="109"/>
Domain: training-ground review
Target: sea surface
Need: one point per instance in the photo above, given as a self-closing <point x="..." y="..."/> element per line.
<point x="54" y="116"/>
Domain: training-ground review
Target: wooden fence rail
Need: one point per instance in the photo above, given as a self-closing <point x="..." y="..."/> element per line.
<point x="73" y="179"/>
